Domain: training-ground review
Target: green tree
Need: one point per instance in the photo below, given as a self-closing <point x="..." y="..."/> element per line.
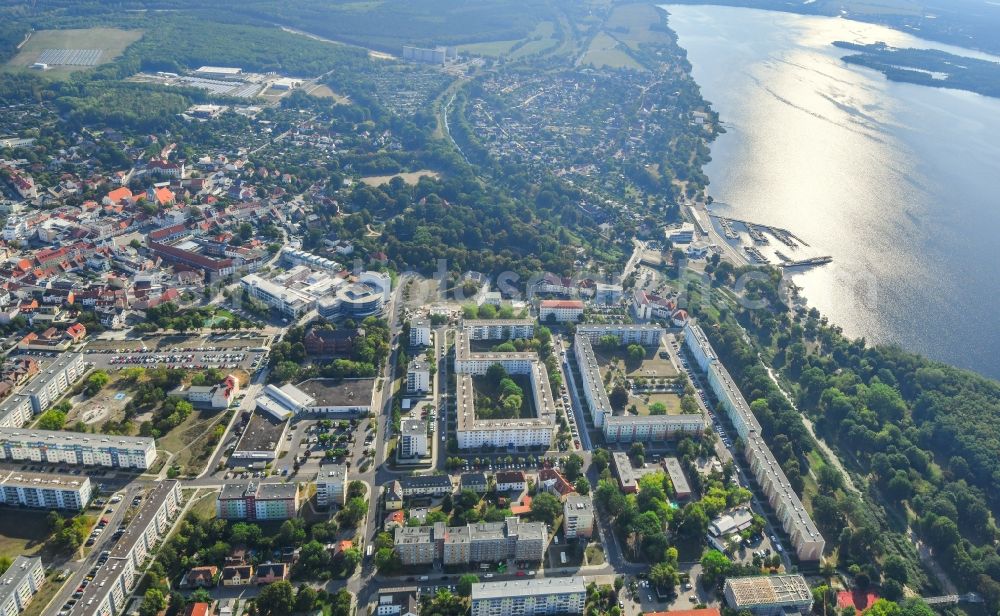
<point x="657" y="408"/>
<point x="715" y="567"/>
<point x="277" y="599"/>
<point x="572" y="465"/>
<point x="883" y="607"/>
<point x="305" y="599"/>
<point x="546" y="508"/>
<point x="464" y="586"/>
<point x="52" y="419"/>
<point x="152" y="602"/>
<point x="582" y="486"/>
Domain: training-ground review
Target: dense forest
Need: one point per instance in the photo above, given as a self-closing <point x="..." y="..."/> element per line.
<point x="927" y="67"/>
<point x="918" y="438"/>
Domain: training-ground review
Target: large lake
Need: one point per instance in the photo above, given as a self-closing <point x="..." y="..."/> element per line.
<point x="899" y="183"/>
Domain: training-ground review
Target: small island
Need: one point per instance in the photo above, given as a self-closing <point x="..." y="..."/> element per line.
<point x="928" y="67"/>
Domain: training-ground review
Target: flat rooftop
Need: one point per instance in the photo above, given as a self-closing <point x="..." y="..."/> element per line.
<point x="261" y="491"/>
<point x="42" y="480"/>
<point x="262" y="435"/>
<point x="70" y="439"/>
<point x="520" y="588"/>
<point x="334" y="392"/>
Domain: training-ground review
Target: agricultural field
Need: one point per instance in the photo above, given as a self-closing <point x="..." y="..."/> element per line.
<point x="111" y="41"/>
<point x="604" y="50"/>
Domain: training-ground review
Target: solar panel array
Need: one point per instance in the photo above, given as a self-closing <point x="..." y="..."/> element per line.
<point x="71" y="57"/>
<point x="236" y="89"/>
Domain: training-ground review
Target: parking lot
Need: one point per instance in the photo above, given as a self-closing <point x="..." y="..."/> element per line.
<point x="191" y="358"/>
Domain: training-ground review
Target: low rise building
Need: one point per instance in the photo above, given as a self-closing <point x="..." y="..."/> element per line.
<point x="511" y="481"/>
<point x="57" y="446"/>
<point x="426" y="485"/>
<point x="393" y="496"/>
<point x="397" y="602"/>
<point x="19" y="584"/>
<point x="331" y="486"/>
<point x="625" y="473"/>
<point x="474" y="481"/>
<point x="769" y="595"/>
<point x="251" y="501"/>
<point x="218" y="396"/>
<point x="682" y="490"/>
<point x="536" y="597"/>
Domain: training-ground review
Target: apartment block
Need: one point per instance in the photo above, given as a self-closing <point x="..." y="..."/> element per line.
<point x="539" y="597"/>
<point x="57" y="446"/>
<point x="418" y="376"/>
<point x="252" y="501"/>
<point x="420" y="332"/>
<point x="474" y="543"/>
<point x="787" y="506"/>
<point x="331" y="486"/>
<point x="578" y="516"/>
<point x="627" y="333"/>
<point x="413" y="439"/>
<point x="44" y="491"/>
<point x="19" y="584"/>
<point x="651" y="428"/>
<point x="115" y="580"/>
<point x="522" y="432"/>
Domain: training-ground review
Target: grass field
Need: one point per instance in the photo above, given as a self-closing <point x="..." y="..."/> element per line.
<point x="541" y="39"/>
<point x="604" y="50"/>
<point x="322" y="91"/>
<point x="22" y="532"/>
<point x="190" y="441"/>
<point x="204" y="503"/>
<point x="45" y="594"/>
<point x="493" y="48"/>
<point x="112" y="40"/>
<point x="630" y="24"/>
<point x="410" y="177"/>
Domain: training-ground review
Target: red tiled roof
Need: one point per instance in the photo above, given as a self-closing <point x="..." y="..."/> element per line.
<point x="562" y="303"/>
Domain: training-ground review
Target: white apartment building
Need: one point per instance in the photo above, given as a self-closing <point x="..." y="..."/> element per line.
<point x="418" y="375"/>
<point x="522" y="432"/>
<point x="499" y="329"/>
<point x="44" y="491"/>
<point x="331" y="486"/>
<point x="420" y="332"/>
<point x="19" y="584"/>
<point x="787" y="506"/>
<point x="538" y="597"/>
<point x="560" y="310"/>
<point x="116" y="579"/>
<point x="651" y="428"/>
<point x="50" y="384"/>
<point x="630" y="333"/>
<point x="578" y="516"/>
<point x="413" y="439"/>
<point x="58" y="446"/>
<point x="593" y="383"/>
